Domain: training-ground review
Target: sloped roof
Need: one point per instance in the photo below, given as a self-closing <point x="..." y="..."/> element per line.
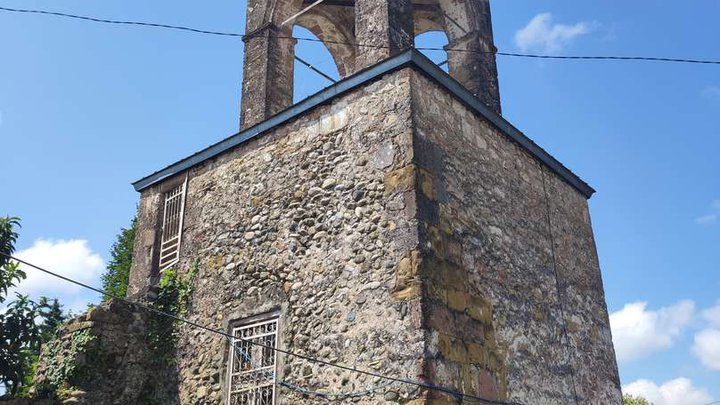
<point x="410" y="58"/>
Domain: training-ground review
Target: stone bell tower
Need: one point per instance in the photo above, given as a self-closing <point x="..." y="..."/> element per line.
<point x="359" y="34"/>
<point x="393" y="222"/>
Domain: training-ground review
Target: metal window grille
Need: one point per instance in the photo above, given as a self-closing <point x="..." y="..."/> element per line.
<point x="172" y="226"/>
<point x="252" y="367"/>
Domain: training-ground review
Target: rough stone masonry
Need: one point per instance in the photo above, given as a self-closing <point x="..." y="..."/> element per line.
<point x="395" y="223"/>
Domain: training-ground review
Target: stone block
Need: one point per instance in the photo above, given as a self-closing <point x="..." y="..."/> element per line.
<point x="453" y="276"/>
<point x="426" y="184"/>
<point x="477" y="354"/>
<point x="457" y="300"/>
<point x="479" y="309"/>
<point x="408" y="293"/>
<point x="402" y="179"/>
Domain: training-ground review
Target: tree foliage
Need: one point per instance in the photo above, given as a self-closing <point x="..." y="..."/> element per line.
<point x="10" y="272"/>
<point x="117" y="275"/>
<point x="25" y="325"/>
<point x="635" y="400"/>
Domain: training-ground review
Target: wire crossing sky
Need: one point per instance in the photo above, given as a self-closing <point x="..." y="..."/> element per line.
<point x="243" y="36"/>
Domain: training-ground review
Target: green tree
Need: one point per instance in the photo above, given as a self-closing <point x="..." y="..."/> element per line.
<point x="117" y="275"/>
<point x="635" y="400"/>
<point x="52" y="316"/>
<point x="21" y="340"/>
<point x="10" y="272"/>
<point x="25" y="325"/>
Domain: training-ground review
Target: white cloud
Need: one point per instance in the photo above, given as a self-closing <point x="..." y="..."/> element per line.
<point x="679" y="391"/>
<point x="638" y="332"/>
<point x="707" y="219"/>
<point x="706" y="345"/>
<point x="71" y="258"/>
<point x="712" y="315"/>
<point x="707" y="348"/>
<point x="540" y="34"/>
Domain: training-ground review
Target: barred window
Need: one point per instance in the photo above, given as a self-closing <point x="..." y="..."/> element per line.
<point x="252" y="363"/>
<point x="172" y="226"/>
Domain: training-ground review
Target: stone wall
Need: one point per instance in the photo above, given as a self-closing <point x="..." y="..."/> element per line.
<point x="102" y="357"/>
<point x="299" y="221"/>
<point x="514" y="298"/>
<point x="394" y="230"/>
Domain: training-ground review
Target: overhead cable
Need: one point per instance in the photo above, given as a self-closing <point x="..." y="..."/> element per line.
<point x="224" y="334"/>
<point x="243" y="36"/>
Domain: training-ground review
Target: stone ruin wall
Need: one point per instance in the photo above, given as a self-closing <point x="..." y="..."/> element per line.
<point x="508" y="253"/>
<point x="301" y="220"/>
<point x="102" y="357"/>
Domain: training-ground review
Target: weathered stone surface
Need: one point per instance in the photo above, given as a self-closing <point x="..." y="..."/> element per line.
<point x="111" y="363"/>
<point x="507" y="250"/>
<point x="457" y="258"/>
<point x="292" y="222"/>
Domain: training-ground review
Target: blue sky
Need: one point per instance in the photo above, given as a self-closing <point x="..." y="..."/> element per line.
<point x="87" y="108"/>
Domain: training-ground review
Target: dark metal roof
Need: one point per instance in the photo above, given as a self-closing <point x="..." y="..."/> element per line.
<point x="409" y="58"/>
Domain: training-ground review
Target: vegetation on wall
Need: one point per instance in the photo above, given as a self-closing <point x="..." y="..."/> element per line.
<point x="633" y="400"/>
<point x="117" y="274"/>
<point x="68" y="360"/>
<point x="174" y="293"/>
<point x="25" y="325"/>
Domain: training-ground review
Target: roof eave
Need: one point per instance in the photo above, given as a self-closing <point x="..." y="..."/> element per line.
<point x="410" y="57"/>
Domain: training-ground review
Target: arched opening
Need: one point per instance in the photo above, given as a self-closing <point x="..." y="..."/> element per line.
<point x="437" y="40"/>
<point x="314" y="67"/>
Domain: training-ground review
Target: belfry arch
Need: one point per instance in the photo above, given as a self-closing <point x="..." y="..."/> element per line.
<point x="470" y="48"/>
<point x="269" y="50"/>
<point x="358" y="34"/>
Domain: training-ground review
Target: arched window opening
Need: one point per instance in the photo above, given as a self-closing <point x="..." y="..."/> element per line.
<point x="314" y="67"/>
<point x="434" y="39"/>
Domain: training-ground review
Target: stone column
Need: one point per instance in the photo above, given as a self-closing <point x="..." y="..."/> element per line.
<point x="268" y="74"/>
<point x="385" y="25"/>
<point x="475" y="65"/>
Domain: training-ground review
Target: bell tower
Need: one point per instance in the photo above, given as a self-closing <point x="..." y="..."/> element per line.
<point x="359" y="34"/>
<point x="393" y="222"/>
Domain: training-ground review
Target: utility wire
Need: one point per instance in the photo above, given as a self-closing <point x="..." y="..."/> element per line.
<point x="102" y="20"/>
<point x="329" y="396"/>
<point x="335" y="396"/>
<point x="316" y="70"/>
<point x="286" y="352"/>
<point x="243" y="36"/>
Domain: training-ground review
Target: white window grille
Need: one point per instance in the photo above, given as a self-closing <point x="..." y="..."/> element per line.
<point x="172" y="226"/>
<point x="252" y="367"/>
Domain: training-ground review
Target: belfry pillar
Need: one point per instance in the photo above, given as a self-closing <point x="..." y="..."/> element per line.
<point x="383" y="28"/>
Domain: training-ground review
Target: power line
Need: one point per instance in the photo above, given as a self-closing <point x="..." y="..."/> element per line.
<point x="330" y="396"/>
<point x="626" y="58"/>
<point x="243" y="36"/>
<point x="283" y="351"/>
<point x="106" y="21"/>
<point x="335" y="396"/>
<point x="314" y="69"/>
